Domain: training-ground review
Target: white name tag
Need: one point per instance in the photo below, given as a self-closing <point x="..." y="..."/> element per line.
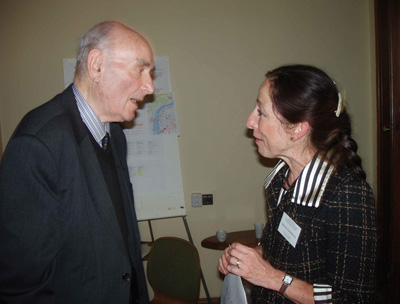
<point x="289" y="229"/>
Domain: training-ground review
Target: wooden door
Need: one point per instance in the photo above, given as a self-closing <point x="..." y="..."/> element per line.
<point x="387" y="25"/>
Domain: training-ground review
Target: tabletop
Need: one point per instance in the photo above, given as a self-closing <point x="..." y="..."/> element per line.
<point x="247" y="237"/>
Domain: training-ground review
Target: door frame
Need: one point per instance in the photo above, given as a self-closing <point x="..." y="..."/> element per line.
<point x="387" y="34"/>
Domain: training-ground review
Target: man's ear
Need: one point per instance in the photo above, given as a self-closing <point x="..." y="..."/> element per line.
<point x="300" y="130"/>
<point x="95" y="65"/>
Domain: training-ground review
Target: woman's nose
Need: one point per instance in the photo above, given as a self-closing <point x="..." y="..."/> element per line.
<point x="251" y="120"/>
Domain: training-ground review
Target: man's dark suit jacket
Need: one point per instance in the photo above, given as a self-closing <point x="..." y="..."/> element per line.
<point x="60" y="241"/>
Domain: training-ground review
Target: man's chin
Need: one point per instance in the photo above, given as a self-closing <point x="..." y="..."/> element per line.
<point x="130" y="117"/>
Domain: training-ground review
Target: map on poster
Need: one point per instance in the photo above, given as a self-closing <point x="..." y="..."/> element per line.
<point x="162" y="115"/>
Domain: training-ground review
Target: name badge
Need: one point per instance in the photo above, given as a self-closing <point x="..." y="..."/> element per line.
<point x="289" y="229"/>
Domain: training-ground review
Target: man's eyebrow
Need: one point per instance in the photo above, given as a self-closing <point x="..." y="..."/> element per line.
<point x="143" y="62"/>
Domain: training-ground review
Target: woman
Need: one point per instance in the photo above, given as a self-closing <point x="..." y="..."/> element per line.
<point x="319" y="244"/>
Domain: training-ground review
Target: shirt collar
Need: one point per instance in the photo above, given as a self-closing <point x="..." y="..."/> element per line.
<point x="310" y="185"/>
<point x="89" y="117"/>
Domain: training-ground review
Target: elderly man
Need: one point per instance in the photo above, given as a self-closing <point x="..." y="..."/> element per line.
<point x="68" y="228"/>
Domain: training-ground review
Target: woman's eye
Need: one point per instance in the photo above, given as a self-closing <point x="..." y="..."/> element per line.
<point x="260" y="113"/>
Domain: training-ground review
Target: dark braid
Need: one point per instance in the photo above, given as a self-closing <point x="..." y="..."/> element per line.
<point x="305" y="93"/>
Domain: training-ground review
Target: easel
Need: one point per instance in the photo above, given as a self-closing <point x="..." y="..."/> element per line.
<point x="191" y="241"/>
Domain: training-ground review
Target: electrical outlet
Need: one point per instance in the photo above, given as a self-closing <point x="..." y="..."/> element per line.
<point x="197" y="200"/>
<point x="208" y="199"/>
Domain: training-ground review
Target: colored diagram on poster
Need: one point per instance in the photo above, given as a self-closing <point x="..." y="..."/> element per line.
<point x="162" y="115"/>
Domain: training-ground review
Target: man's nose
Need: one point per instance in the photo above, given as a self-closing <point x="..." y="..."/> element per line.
<point x="148" y="86"/>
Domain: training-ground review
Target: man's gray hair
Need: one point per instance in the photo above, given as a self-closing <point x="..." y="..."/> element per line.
<point x="96" y="38"/>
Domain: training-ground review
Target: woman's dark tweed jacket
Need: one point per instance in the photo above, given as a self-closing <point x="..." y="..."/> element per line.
<point x="337" y="245"/>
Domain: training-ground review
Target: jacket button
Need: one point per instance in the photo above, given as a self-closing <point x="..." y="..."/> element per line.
<point x="126" y="277"/>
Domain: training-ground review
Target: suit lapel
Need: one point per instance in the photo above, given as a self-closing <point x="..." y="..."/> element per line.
<point x="126" y="190"/>
<point x="98" y="191"/>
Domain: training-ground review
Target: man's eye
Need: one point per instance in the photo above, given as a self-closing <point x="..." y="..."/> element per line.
<point x="260" y="113"/>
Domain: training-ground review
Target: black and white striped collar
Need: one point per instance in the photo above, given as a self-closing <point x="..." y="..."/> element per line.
<point x="310" y="185"/>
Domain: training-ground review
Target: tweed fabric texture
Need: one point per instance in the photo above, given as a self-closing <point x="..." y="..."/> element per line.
<point x="337" y="245"/>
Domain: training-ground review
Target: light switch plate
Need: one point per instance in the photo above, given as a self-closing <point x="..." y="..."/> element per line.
<point x="197" y="200"/>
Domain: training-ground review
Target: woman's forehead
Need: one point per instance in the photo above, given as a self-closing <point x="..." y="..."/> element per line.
<point x="264" y="94"/>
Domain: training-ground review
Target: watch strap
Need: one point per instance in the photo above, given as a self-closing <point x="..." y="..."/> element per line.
<point x="283" y="289"/>
<point x="286" y="281"/>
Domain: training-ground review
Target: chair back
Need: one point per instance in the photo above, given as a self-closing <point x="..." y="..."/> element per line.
<point x="173" y="271"/>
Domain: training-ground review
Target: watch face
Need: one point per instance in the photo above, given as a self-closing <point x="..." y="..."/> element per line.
<point x="287" y="280"/>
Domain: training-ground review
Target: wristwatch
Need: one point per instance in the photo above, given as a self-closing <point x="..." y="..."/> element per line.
<point x="287" y="280"/>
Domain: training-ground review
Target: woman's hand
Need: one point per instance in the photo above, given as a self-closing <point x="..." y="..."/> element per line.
<point x="223" y="263"/>
<point x="250" y="265"/>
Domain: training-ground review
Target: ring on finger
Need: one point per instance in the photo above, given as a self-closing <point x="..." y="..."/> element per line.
<point x="238" y="263"/>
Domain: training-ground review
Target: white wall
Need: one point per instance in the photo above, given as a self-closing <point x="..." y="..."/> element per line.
<point x="219" y="52"/>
